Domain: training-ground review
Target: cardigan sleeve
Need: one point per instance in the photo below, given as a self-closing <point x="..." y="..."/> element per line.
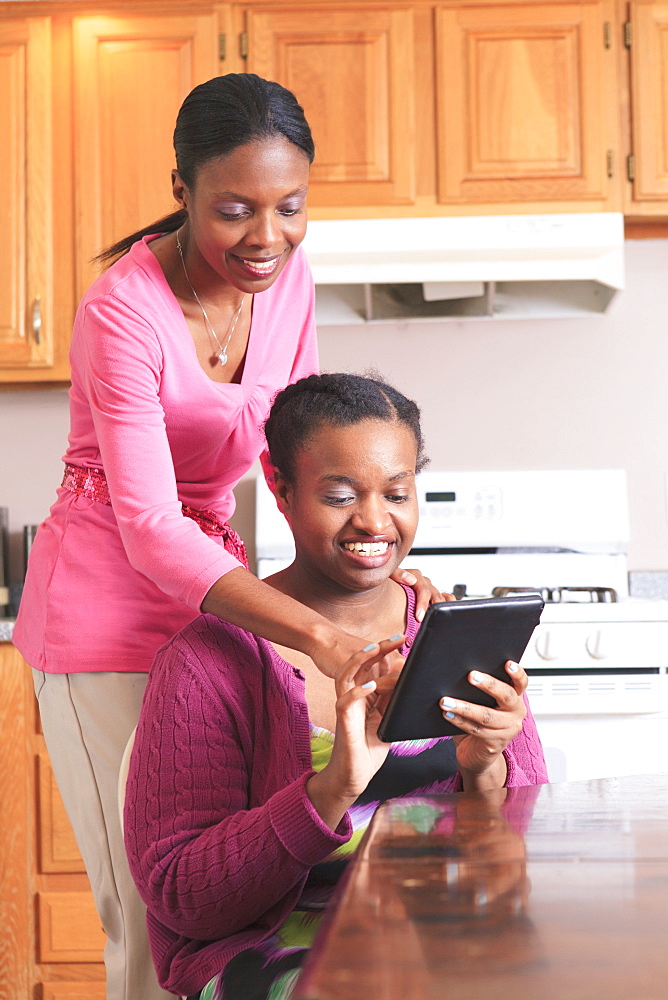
<point x="524" y="755"/>
<point x="210" y="854"/>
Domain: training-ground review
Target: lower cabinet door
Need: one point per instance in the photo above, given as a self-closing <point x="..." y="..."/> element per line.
<point x="69" y="928"/>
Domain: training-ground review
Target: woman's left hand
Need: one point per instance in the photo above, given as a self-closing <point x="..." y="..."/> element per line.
<point x="487" y="731"/>
<point x="425" y="591"/>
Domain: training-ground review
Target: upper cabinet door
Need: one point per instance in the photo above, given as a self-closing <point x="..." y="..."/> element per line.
<point x="26" y="293"/>
<point x="521" y="102"/>
<point x="131" y="76"/>
<point x="352" y="71"/>
<point x="649" y="107"/>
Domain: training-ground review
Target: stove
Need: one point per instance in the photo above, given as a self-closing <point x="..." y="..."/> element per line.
<point x="598" y="660"/>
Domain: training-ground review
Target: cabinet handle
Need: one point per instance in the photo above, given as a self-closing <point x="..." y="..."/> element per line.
<point x="610" y="160"/>
<point x="37" y="320"/>
<point x="628" y="34"/>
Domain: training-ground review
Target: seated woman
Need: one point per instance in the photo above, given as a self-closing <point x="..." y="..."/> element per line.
<point x="253" y="775"/>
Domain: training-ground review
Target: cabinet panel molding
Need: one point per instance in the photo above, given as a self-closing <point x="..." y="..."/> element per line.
<point x="352" y="71"/>
<point x="521" y="102"/>
<point x="69" y="928"/>
<point x="57" y="844"/>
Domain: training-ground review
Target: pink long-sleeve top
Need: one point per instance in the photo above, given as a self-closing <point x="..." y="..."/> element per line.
<point x="219" y="829"/>
<point x="107" y="585"/>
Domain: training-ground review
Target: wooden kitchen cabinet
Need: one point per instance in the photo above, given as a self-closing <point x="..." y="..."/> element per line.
<point x="131" y="74"/>
<point x="53" y="940"/>
<point x="647" y="40"/>
<point x="523" y="92"/>
<point x="450" y="108"/>
<point x="92" y="98"/>
<point x="26" y="276"/>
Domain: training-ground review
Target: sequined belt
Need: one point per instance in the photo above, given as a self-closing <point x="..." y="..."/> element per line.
<point x="92" y="483"/>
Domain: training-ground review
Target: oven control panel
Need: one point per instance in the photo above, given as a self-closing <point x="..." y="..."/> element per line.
<point x="483" y="503"/>
<point x="578" y="510"/>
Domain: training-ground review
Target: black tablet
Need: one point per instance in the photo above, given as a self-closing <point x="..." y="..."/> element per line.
<point x="454" y="638"/>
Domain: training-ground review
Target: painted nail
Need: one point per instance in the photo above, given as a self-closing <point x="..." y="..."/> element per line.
<point x="449" y="715"/>
<point x="512" y="668"/>
<point x="448" y="703"/>
<point x="393" y="638"/>
<point x="369" y="684"/>
<point x="476" y="677"/>
<point x="419" y="615"/>
<point x="372" y="645"/>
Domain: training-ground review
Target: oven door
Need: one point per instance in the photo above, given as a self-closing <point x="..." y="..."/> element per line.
<point x="604" y="746"/>
<point x="598" y="690"/>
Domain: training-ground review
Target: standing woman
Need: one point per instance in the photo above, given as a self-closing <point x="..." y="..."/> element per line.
<point x="177" y="351"/>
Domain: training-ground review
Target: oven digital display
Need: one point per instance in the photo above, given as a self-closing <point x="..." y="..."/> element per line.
<point x="440" y="497"/>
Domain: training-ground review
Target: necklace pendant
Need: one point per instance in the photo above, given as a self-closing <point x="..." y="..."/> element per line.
<point x="222" y="358"/>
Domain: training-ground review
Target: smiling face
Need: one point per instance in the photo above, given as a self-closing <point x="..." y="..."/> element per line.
<point x="246" y="214"/>
<point x="352" y="505"/>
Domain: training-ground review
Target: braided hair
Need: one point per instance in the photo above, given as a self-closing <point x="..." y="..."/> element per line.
<point x="337" y="399"/>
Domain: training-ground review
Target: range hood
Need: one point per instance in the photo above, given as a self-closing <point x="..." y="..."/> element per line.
<point x="510" y="266"/>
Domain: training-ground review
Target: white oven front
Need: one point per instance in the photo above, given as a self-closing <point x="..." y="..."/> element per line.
<point x="598" y="688"/>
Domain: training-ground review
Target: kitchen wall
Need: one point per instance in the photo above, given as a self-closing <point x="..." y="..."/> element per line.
<point x="501" y="394"/>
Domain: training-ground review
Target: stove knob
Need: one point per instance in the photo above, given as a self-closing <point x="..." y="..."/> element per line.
<point x="597" y="645"/>
<point x="547" y="646"/>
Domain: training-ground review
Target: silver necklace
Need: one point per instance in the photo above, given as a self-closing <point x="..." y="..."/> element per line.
<point x="222" y="349"/>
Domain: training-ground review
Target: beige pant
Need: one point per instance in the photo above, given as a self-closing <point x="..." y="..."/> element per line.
<point x="87" y="720"/>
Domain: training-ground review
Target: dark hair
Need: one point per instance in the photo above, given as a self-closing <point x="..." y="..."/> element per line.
<point x="215" y="119"/>
<point x="340" y="400"/>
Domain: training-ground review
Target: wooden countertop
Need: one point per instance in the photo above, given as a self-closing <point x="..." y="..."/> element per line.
<point x="558" y="892"/>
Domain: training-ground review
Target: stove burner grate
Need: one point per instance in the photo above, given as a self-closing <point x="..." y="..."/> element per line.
<point x="563" y="595"/>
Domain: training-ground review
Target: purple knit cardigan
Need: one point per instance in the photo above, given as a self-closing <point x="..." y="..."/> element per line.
<point x="219" y="830"/>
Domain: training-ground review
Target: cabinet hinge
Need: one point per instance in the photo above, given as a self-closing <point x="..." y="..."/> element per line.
<point x="610" y="161"/>
<point x="607" y="35"/>
<point x="243" y="45"/>
<point x="631" y="167"/>
<point x="628" y="35"/>
<point x="222" y="47"/>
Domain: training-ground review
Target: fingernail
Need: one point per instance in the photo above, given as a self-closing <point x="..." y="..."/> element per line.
<point x="369" y="684"/>
<point x="447" y="703"/>
<point x="409" y="578"/>
<point x="372" y="645"/>
<point x="393" y="638"/>
<point x="419" y="615"/>
<point x="476" y="677"/>
<point x="512" y="668"/>
<point x="449" y="715"/>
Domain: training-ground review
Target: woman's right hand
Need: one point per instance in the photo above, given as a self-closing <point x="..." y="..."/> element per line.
<point x="361" y="698"/>
<point x="333" y="653"/>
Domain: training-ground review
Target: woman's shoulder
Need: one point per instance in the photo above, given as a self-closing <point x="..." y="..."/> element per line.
<point x="135" y="277"/>
<point x="216" y="654"/>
